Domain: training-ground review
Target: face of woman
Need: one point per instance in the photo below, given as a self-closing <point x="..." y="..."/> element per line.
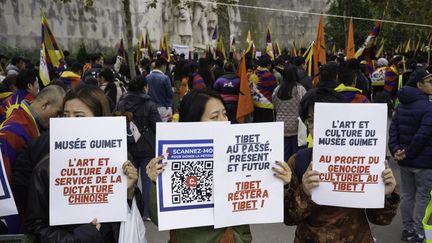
<point x="76" y="108"/>
<point x="214" y="111"/>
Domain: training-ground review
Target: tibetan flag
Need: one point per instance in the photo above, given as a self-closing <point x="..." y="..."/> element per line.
<point x="209" y="53"/>
<point x="293" y="49"/>
<point x="148" y="47"/>
<point x="121" y="56"/>
<point x="164" y="48"/>
<point x="220" y="48"/>
<point x="214" y="38"/>
<point x="319" y="52"/>
<point x="276" y="50"/>
<point x="233" y="50"/>
<point x="269" y="45"/>
<point x="251" y="46"/>
<point x="367" y="51"/>
<point x="51" y="55"/>
<point x="381" y="49"/>
<point x="140" y="47"/>
<point x="350" y="49"/>
<point x="245" y="103"/>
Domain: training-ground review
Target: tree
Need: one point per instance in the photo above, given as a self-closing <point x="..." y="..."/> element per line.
<point x="400" y="10"/>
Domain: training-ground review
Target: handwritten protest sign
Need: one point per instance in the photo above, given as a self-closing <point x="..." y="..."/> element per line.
<point x="7" y="202"/>
<point x="349" y="152"/>
<point x="86" y="176"/>
<point x="246" y="191"/>
<point x="185" y="188"/>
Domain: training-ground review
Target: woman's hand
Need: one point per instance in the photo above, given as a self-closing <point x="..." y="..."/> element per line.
<point x="310" y="180"/>
<point x="283" y="172"/>
<point x="96" y="224"/>
<point x="388" y="179"/>
<point x="132" y="176"/>
<point x="154" y="168"/>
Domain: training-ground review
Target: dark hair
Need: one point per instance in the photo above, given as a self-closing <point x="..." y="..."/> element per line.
<point x="324" y="95"/>
<point x="298" y="61"/>
<point x="9" y="81"/>
<point x="288" y="83"/>
<point x="137" y="84"/>
<point x="327" y="75"/>
<point x="26" y="77"/>
<point x="93" y="97"/>
<point x="95" y="56"/>
<point x="346" y="75"/>
<point x="76" y="67"/>
<point x="16" y="60"/>
<point x="264" y="61"/>
<point x="193" y="104"/>
<point x="160" y="62"/>
<point x="204" y="71"/>
<point x="229" y="67"/>
<point x="353" y="63"/>
<point x="91" y="81"/>
<point x="111" y="88"/>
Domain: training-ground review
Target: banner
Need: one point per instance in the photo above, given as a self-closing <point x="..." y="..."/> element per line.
<point x="185" y="188"/>
<point x="349" y="152"/>
<point x="180" y="49"/>
<point x="219" y="174"/>
<point x="246" y="191"/>
<point x="7" y="202"/>
<point x="86" y="176"/>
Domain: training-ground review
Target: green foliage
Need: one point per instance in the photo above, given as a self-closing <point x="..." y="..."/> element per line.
<point x="33" y="54"/>
<point x="397" y="10"/>
<point x="82" y="53"/>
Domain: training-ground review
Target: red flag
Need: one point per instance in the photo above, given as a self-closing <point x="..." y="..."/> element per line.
<point x="245" y="103"/>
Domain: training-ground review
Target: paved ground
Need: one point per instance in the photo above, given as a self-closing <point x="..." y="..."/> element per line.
<point x="279" y="233"/>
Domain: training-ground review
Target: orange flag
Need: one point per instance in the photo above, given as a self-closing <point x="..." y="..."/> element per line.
<point x="350" y="49"/>
<point x="319" y="53"/>
<point x="245" y="102"/>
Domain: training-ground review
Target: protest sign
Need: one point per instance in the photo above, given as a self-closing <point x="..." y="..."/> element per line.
<point x="86" y="176"/>
<point x="246" y="191"/>
<point x="349" y="142"/>
<point x="7" y="202"/>
<point x="181" y="49"/>
<point x="185" y="188"/>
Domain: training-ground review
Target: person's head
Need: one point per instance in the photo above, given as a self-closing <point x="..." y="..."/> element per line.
<point x="97" y="58"/>
<point x="347" y="75"/>
<point x="328" y="75"/>
<point x="300" y="62"/>
<point x="91" y="81"/>
<point x="289" y="81"/>
<point x="106" y="75"/>
<point x="422" y="80"/>
<point x="382" y="62"/>
<point x="77" y="68"/>
<point x="265" y="62"/>
<point x="202" y="105"/>
<point x="161" y="64"/>
<point x="307" y="103"/>
<point x="138" y="84"/>
<point x="86" y="101"/>
<point x="48" y="103"/>
<point x="18" y="62"/>
<point x="353" y="63"/>
<point x="9" y="82"/>
<point x="27" y="80"/>
<point x="229" y="67"/>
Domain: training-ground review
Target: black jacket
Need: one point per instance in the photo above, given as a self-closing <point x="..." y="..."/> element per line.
<point x="145" y="117"/>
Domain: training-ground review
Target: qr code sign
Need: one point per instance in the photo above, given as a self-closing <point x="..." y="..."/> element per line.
<point x="192" y="181"/>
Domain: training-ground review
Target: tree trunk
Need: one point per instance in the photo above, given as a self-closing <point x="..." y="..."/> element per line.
<point x="129" y="37"/>
<point x="223" y="23"/>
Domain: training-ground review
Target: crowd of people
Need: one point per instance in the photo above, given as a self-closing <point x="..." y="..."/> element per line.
<point x="207" y="89"/>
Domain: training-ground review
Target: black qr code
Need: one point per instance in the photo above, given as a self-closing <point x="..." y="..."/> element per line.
<point x="192" y="181"/>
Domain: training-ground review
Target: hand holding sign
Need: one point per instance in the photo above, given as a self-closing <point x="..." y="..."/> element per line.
<point x="310" y="180"/>
<point x="284" y="172"/>
<point x="389" y="179"/>
<point x="132" y="176"/>
<point x="154" y="168"/>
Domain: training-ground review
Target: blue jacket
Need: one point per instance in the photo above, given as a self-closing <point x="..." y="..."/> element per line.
<point x="411" y="128"/>
<point x="159" y="88"/>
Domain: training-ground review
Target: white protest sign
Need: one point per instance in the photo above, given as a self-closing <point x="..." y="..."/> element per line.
<point x="185" y="188"/>
<point x="7" y="202"/>
<point x="349" y="142"/>
<point x="86" y="176"/>
<point x="181" y="49"/>
<point x="246" y="191"/>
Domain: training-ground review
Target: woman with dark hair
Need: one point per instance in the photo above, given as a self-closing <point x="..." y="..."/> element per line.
<point x="205" y="72"/>
<point x="84" y="101"/>
<point x="196" y="106"/>
<point x="286" y="101"/>
<point x="320" y="223"/>
<point x="112" y="88"/>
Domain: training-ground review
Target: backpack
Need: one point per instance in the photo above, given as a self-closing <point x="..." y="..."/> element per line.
<point x="140" y="138"/>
